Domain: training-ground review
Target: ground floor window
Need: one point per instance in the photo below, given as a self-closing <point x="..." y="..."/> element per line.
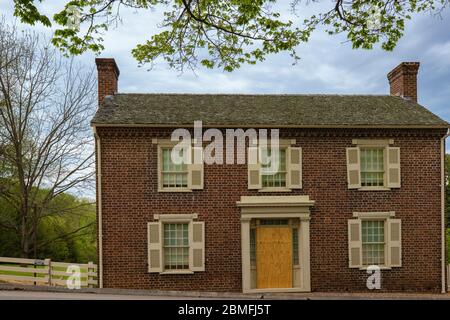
<point x="374" y="238"/>
<point x="373" y="242"/>
<point x="176" y="246"/>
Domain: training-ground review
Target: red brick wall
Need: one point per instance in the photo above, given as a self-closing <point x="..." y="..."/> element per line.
<point x="130" y="199"/>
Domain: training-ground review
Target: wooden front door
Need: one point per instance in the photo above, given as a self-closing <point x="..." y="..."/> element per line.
<point x="274" y="257"/>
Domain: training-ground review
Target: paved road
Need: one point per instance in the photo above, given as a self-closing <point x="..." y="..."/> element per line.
<point x="35" y="295"/>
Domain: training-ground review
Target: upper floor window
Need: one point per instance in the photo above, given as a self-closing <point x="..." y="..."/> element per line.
<point x="283" y="174"/>
<point x="277" y="177"/>
<point x="179" y="177"/>
<point x="373" y="165"/>
<point x="173" y="175"/>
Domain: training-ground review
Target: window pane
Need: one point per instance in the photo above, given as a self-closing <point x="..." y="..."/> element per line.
<point x="173" y="175"/>
<point x="253" y="247"/>
<point x="295" y="258"/>
<point x="176" y="246"/>
<point x="372" y="167"/>
<point x="273" y="179"/>
<point x="373" y="244"/>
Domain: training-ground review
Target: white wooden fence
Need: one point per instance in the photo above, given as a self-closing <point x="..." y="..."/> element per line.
<point x="448" y="277"/>
<point x="45" y="272"/>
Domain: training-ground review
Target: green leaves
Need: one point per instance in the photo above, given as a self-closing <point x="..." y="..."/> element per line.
<point x="27" y="12"/>
<point x="228" y="33"/>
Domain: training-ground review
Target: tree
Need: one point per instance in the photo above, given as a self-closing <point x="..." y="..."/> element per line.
<point x="227" y="33"/>
<point x="65" y="233"/>
<point x="45" y="139"/>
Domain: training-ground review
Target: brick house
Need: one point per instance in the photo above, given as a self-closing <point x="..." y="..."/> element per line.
<point x="359" y="183"/>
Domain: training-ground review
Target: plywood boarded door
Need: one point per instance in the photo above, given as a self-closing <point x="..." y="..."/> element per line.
<point x="274" y="257"/>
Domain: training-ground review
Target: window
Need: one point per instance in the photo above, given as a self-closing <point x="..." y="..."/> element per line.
<point x="253" y="247"/>
<point x="176" y="246"/>
<point x="373" y="242"/>
<point x="295" y="258"/>
<point x="374" y="238"/>
<point x="173" y="175"/>
<point x="286" y="173"/>
<point x="179" y="177"/>
<point x="276" y="178"/>
<point x="372" y="167"/>
<point x="273" y="222"/>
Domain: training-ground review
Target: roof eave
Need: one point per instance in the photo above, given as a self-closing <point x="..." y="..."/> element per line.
<point x="343" y="126"/>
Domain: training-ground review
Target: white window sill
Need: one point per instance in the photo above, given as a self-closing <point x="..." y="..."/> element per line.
<point x="177" y="272"/>
<point x="381" y="268"/>
<point x="374" y="189"/>
<point x="275" y="190"/>
<point x="174" y="190"/>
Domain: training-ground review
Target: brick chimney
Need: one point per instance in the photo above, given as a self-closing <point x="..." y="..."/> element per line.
<point x="108" y="76"/>
<point x="403" y="80"/>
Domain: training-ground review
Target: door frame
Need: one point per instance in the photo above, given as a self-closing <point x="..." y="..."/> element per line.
<point x="277" y="207"/>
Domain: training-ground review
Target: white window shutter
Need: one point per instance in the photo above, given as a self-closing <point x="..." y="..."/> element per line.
<point x="354" y="243"/>
<point x="394" y="242"/>
<point x="154" y="247"/>
<point x="294" y="167"/>
<point x="254" y="169"/>
<point x="353" y="168"/>
<point x="195" y="169"/>
<point x="393" y="167"/>
<point x="197" y="247"/>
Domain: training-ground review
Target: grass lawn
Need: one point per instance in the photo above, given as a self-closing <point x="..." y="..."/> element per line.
<point x="40" y="275"/>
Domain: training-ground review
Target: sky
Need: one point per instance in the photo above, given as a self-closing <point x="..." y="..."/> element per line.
<point x="328" y="64"/>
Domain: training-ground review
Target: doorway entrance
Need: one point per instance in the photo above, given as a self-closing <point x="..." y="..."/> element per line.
<point x="274" y="255"/>
<point x="275" y="243"/>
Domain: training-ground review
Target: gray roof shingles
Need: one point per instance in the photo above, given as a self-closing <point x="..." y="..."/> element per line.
<point x="264" y="110"/>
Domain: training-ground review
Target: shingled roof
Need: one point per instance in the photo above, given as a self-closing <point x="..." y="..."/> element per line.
<point x="264" y="110"/>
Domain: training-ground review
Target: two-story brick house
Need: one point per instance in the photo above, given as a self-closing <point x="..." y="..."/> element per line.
<point x="360" y="183"/>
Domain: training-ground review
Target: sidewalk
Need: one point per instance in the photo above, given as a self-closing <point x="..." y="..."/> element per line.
<point x="12" y="291"/>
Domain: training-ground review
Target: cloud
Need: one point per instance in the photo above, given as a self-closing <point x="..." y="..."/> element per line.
<point x="328" y="63"/>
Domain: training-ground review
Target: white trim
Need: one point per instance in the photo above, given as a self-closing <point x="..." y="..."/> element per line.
<point x="255" y="207"/>
<point x="443" y="236"/>
<point x="176" y="272"/>
<point x="175" y="217"/>
<point x="380" y="188"/>
<point x="99" y="208"/>
<point x="169" y="142"/>
<point x="275" y="189"/>
<point x="374" y="215"/>
<point x="175" y="190"/>
<point x="372" y="142"/>
<point x="383" y="267"/>
<point x="251" y="201"/>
